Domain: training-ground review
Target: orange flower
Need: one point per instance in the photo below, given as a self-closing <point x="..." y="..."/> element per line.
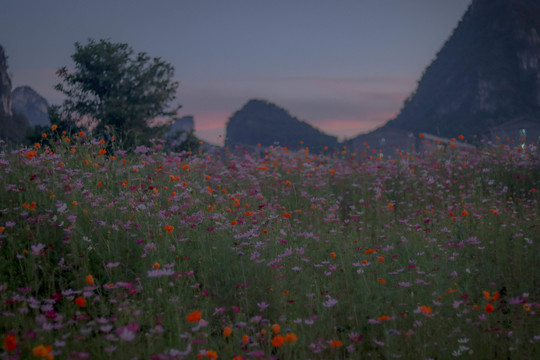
<point x="383" y="318"/>
<point x="245" y="339"/>
<point x="276" y="328"/>
<point x="278" y="341"/>
<point x="10" y="343"/>
<point x="227" y="331"/>
<point x="464" y="213"/>
<point x="80" y="301"/>
<point x="211" y="354"/>
<point x="194" y="316"/>
<point x="426" y="310"/>
<point x="30" y="154"/>
<point x="381" y="280"/>
<point x="54" y="127"/>
<point x="156" y="265"/>
<point x="102" y="152"/>
<point x="488" y="296"/>
<point x="489" y="308"/>
<point x="287" y="214"/>
<point x="169" y="228"/>
<point x="234" y="222"/>
<point x="333" y="255"/>
<point x="381" y="259"/>
<point x="336" y="343"/>
<point x="290" y="337"/>
<point x="89" y="279"/>
<point x="43" y="351"/>
<point x="451" y="213"/>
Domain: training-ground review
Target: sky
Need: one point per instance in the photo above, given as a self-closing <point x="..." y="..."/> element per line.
<point x="344" y="66"/>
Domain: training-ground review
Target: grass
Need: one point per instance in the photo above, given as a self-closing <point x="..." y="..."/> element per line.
<point x="277" y="255"/>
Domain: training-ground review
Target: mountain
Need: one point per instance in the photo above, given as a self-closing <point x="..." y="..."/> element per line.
<point x="34" y="107"/>
<point x="185" y="124"/>
<point x="485" y="75"/>
<point x="5" y="86"/>
<point x="261" y="122"/>
<point x="13" y="126"/>
<point x="181" y="134"/>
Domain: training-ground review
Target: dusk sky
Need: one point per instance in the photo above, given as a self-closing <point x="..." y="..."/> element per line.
<point x="343" y="66"/>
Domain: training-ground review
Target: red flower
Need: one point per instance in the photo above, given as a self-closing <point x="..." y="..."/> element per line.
<point x="194" y="316"/>
<point x="10" y="343"/>
<point x="80" y="301"/>
<point x="336" y="343"/>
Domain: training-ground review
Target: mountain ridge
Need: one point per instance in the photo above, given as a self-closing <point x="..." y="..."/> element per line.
<point x="262" y="122"/>
<point x="486" y="74"/>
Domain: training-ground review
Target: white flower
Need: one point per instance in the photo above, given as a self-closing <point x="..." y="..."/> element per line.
<point x="330" y="302"/>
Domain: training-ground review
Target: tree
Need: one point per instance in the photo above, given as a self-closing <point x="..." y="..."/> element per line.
<point x="116" y="88"/>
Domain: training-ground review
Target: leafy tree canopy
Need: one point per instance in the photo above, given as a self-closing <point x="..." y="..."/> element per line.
<point x="117" y="89"/>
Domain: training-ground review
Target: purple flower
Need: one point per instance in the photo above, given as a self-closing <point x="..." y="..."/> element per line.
<point x="262" y="305"/>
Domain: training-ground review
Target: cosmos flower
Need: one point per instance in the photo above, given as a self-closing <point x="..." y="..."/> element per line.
<point x="10" y="343"/>
<point x="278" y="340"/>
<point x="194" y="316"/>
<point x="43" y="351"/>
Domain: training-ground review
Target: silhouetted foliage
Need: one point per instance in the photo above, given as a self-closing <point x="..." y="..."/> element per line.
<point x="13" y="129"/>
<point x="117" y="89"/>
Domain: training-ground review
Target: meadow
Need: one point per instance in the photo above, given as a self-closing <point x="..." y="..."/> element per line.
<point x="277" y="254"/>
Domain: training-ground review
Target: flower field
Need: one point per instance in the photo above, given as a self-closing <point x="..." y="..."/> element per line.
<point x="274" y="255"/>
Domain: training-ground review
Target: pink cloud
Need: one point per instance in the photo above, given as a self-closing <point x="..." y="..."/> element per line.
<point x="210" y="125"/>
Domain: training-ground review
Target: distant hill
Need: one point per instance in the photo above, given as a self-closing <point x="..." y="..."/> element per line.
<point x="13" y="126"/>
<point x="261" y="122"/>
<point x="27" y="102"/>
<point x="486" y="74"/>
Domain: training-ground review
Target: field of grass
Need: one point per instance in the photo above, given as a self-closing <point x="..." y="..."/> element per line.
<point x="276" y="255"/>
